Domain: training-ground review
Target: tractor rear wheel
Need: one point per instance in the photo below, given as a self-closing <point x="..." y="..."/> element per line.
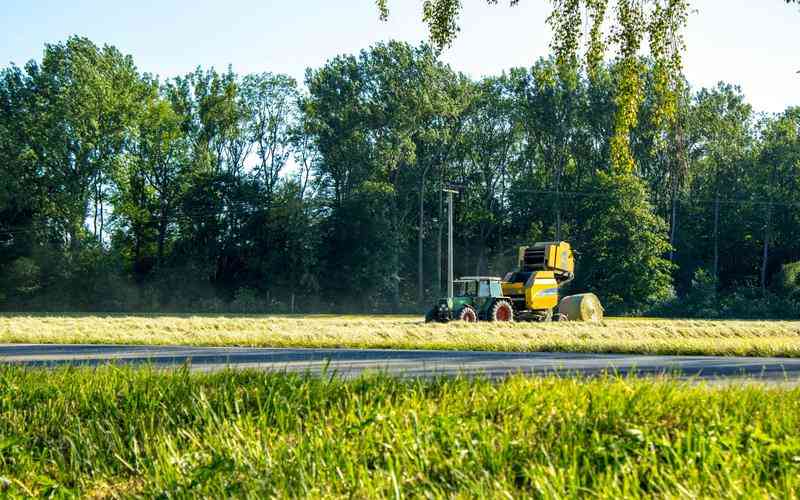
<point x="468" y="314"/>
<point x="501" y="311"/>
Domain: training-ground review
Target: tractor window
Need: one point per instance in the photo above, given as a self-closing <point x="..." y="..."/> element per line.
<point x="465" y="288"/>
<point x="484" y="290"/>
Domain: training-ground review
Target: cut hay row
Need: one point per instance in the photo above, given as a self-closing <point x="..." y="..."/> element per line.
<point x="646" y="336"/>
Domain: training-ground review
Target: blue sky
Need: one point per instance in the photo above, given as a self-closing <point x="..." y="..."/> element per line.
<point x="752" y="43"/>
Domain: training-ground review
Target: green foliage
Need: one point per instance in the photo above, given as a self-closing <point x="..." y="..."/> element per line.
<point x="89" y="101"/>
<point x="704" y="291"/>
<point x="376" y="120"/>
<point x="704" y="300"/>
<point x="247" y="301"/>
<point x="22" y="278"/>
<point x="360" y="244"/>
<point x="662" y="21"/>
<point x="123" y="192"/>
<point x="122" y="432"/>
<point x="622" y="252"/>
<point x="745" y="303"/>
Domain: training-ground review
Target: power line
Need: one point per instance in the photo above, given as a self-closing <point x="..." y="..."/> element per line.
<point x="682" y="199"/>
<point x="238" y="208"/>
<point x="247" y="209"/>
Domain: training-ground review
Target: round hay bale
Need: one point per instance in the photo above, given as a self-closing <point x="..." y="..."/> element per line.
<point x="582" y="307"/>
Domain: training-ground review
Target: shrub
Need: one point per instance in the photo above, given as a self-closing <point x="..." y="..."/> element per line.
<point x="746" y="302"/>
<point x="248" y="301"/>
<point x="787" y="281"/>
<point x="23" y="277"/>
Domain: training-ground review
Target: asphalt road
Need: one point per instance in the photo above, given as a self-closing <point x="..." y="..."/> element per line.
<point x="352" y="362"/>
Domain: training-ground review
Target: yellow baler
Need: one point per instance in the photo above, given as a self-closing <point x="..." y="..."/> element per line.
<point x="533" y="287"/>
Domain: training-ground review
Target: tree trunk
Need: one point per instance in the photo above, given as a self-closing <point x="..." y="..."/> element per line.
<point x="162" y="235"/>
<point x="679" y="171"/>
<point x="765" y="253"/>
<point x="558" y="204"/>
<point x="137" y="248"/>
<point x="420" y="237"/>
<point x="459" y="270"/>
<point x="479" y="260"/>
<point x="480" y="264"/>
<point x="137" y="226"/>
<point x="73" y="236"/>
<point x="716" y="238"/>
<point x="96" y="211"/>
<point x="102" y="219"/>
<point x="395" y="256"/>
<point x="396" y="240"/>
<point x="501" y="209"/>
<point x="673" y="225"/>
<point x="480" y="268"/>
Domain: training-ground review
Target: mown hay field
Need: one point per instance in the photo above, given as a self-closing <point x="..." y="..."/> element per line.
<point x="646" y="336"/>
<point x="122" y="432"/>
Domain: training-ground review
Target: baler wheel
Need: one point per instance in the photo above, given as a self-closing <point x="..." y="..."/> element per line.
<point x="546" y="317"/>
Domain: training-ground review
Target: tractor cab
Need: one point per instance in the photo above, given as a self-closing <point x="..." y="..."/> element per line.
<point x="474" y="298"/>
<point x="477" y="287"/>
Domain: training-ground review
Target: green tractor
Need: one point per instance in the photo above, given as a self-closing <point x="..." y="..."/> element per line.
<point x="474" y="299"/>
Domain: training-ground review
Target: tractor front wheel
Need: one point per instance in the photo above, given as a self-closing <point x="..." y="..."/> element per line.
<point x="431" y="315"/>
<point x="501" y="311"/>
<point x="468" y="314"/>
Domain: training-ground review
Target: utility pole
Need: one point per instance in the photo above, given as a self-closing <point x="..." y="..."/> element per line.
<point x="450" y="192"/>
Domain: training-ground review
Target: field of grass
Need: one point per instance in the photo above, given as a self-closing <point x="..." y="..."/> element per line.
<point x="121" y="432"/>
<point x="648" y="336"/>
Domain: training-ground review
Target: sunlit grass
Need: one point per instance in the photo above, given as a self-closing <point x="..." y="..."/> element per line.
<point x="119" y="432"/>
<point x="648" y="336"/>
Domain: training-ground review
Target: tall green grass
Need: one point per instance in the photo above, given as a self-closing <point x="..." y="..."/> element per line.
<point x="119" y="432"/>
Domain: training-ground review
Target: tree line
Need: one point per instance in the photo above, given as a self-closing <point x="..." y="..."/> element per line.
<point x="214" y="191"/>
